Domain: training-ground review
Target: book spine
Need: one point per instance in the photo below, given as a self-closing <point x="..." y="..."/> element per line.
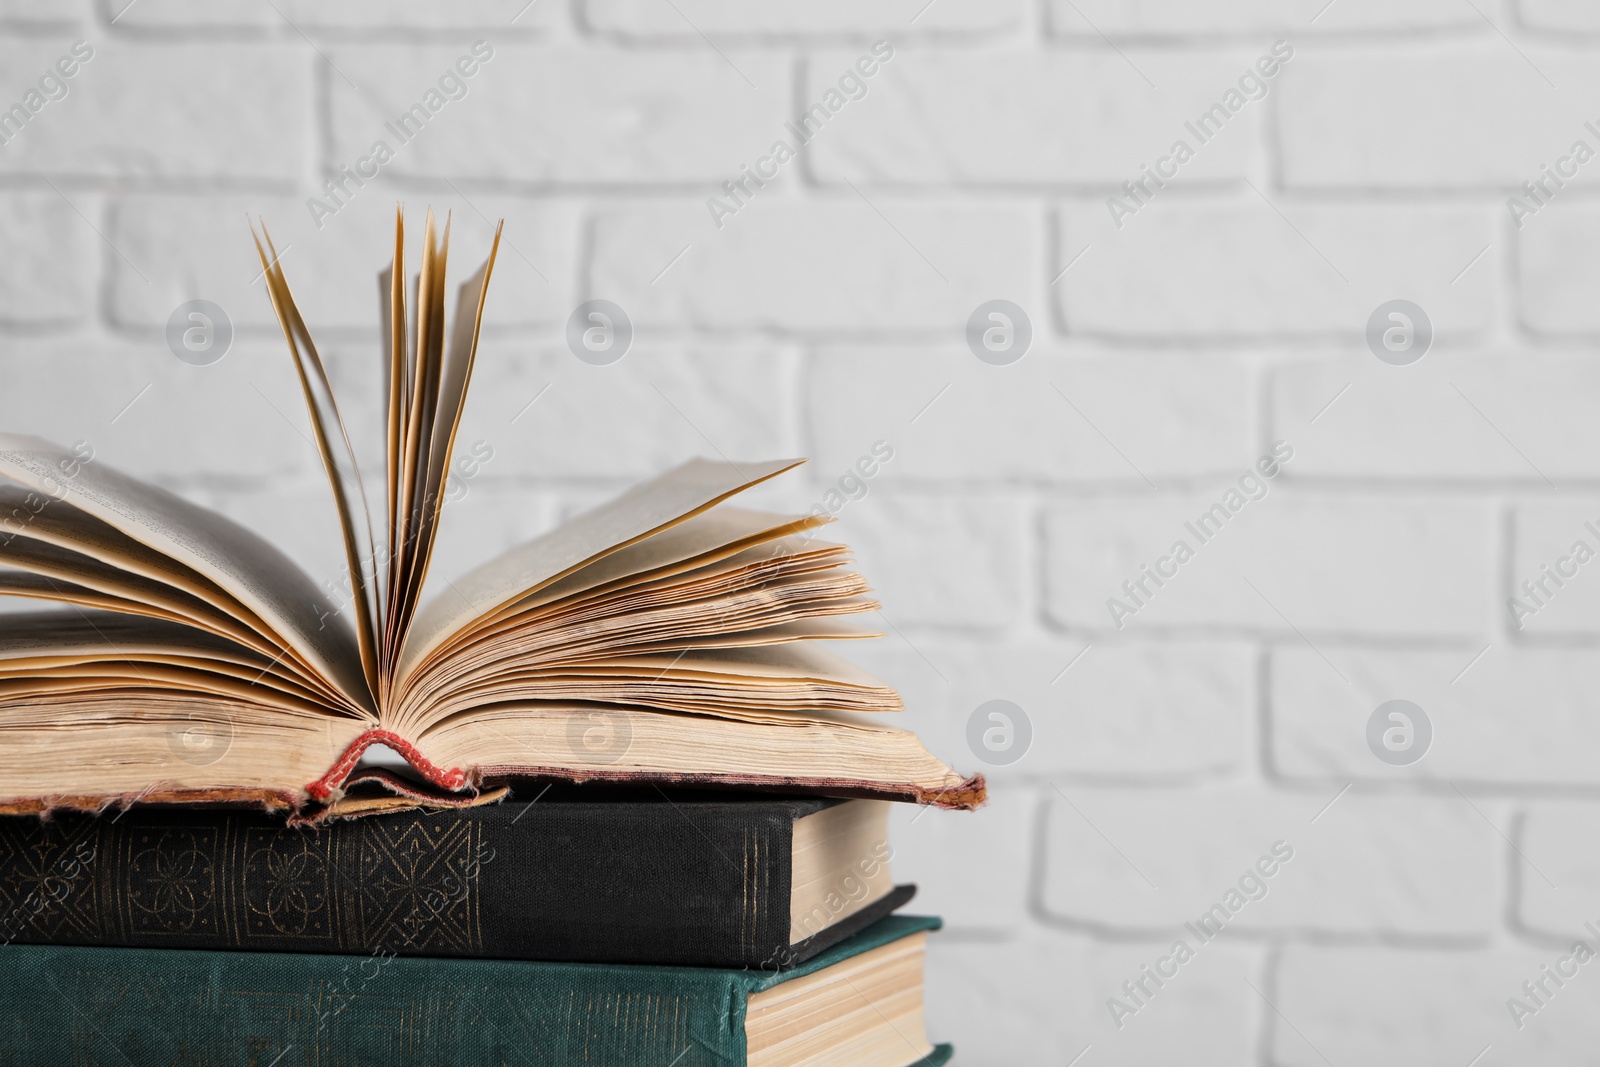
<point x="704" y="885"/>
<point x="62" y="1004"/>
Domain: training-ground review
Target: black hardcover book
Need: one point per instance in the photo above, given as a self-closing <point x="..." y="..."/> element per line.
<point x="578" y="874"/>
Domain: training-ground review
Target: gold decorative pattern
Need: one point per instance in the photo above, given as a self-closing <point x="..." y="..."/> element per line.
<point x="379" y="886"/>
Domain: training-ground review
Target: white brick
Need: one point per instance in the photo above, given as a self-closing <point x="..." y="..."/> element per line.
<point x="47" y="276"/>
<point x="1153" y="860"/>
<point x="1545" y="533"/>
<point x="152" y="415"/>
<point x="1517" y="716"/>
<point x="1338" y="565"/>
<point x="1176" y="20"/>
<point x="1442" y="417"/>
<point x="354" y="373"/>
<point x="827" y="18"/>
<point x="1389" y="1008"/>
<point x="934" y="561"/>
<point x="1556" y="270"/>
<point x="827" y="267"/>
<point x="630" y="420"/>
<point x="951" y="417"/>
<point x="193" y="248"/>
<point x="1028" y="117"/>
<point x="1560" y="839"/>
<point x="254" y="384"/>
<point x="1181" y="268"/>
<point x="464" y="16"/>
<point x="461" y="17"/>
<point x="1486" y="116"/>
<point x="645" y="117"/>
<point x="1559" y="15"/>
<point x="136" y="110"/>
<point x="971" y="868"/>
<point x="1041" y="998"/>
<point x="32" y="13"/>
<point x="1117" y="711"/>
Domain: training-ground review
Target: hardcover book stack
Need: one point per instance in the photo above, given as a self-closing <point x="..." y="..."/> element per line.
<point x="604" y="800"/>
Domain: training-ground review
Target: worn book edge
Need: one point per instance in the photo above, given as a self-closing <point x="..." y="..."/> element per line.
<point x="463" y="787"/>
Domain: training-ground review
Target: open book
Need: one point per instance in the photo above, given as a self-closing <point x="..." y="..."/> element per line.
<point x="663" y="637"/>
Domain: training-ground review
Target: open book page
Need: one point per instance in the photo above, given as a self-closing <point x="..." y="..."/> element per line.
<point x="87" y="635"/>
<point x="542" y="620"/>
<point x="705" y="539"/>
<point x="396" y="379"/>
<point x="339" y="460"/>
<point x="66" y="555"/>
<point x="768" y="683"/>
<point x="611" y="629"/>
<point x="30" y="586"/>
<point x="52" y="563"/>
<point x="455" y="374"/>
<point x="666" y="500"/>
<point x="53" y="655"/>
<point x="779" y="663"/>
<point x="58" y="523"/>
<point x="191" y="678"/>
<point x="727" y="578"/>
<point x="421" y="394"/>
<point x="810" y="628"/>
<point x="242" y="563"/>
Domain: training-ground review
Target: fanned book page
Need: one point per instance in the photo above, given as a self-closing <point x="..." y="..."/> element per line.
<point x="667" y="636"/>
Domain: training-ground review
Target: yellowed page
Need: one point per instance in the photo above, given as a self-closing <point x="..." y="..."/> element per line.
<point x="780" y="662"/>
<point x="339" y="462"/>
<point x="679" y="494"/>
<point x="396" y="380"/>
<point x="245" y="565"/>
<point x="53" y="565"/>
<point x="60" y="524"/>
<point x="75" y="558"/>
<point x="697" y="542"/>
<point x="196" y="677"/>
<point x="40" y="587"/>
<point x="87" y="636"/>
<point x="423" y="391"/>
<point x="455" y="373"/>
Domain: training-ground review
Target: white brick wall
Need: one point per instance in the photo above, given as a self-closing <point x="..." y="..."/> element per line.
<point x="1168" y="353"/>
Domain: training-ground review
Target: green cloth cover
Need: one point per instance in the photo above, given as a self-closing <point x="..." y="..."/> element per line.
<point x="187" y="1008"/>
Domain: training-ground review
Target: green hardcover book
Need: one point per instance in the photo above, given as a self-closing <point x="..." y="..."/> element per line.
<point x="859" y="1004"/>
